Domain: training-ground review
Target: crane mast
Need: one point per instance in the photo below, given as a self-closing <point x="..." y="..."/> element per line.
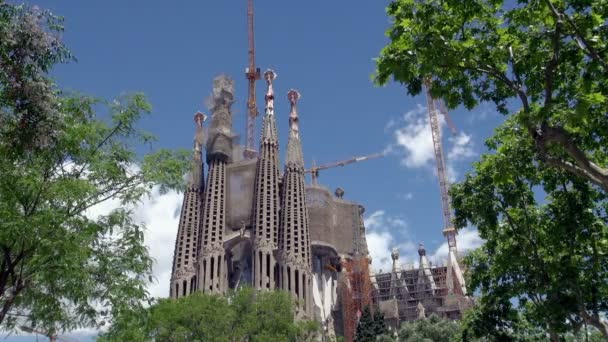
<point x="252" y="73"/>
<point x="433" y="107"/>
<point x="314" y="170"/>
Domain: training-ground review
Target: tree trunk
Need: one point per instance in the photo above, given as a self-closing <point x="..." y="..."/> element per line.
<point x="553" y="336"/>
<point x="7" y="306"/>
<point x="600" y="324"/>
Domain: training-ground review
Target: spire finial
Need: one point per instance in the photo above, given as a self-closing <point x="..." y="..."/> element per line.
<point x="199" y="118"/>
<point x="293" y="96"/>
<point x="395" y="254"/>
<point x="421" y="250"/>
<point x="269" y="76"/>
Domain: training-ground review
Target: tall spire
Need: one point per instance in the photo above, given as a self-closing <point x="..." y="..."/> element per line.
<point x="269" y="131"/>
<point x="266" y="197"/>
<point x="187" y="242"/>
<point x="196" y="180"/>
<point x="212" y="266"/>
<point x="426" y="282"/>
<point x="294" y="145"/>
<point x="294" y="237"/>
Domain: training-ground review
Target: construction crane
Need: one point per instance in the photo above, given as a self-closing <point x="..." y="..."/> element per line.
<point x="434" y="107"/>
<point x="314" y="170"/>
<point x="252" y="73"/>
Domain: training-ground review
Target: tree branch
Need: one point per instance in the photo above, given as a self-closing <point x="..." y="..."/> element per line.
<point x="584" y="167"/>
<point x="503" y="78"/>
<point x="101" y="143"/>
<point x="101" y="196"/>
<point x="590" y="50"/>
<point x="600" y="324"/>
<point x="514" y="68"/>
<point x="580" y="38"/>
<point x="553" y="62"/>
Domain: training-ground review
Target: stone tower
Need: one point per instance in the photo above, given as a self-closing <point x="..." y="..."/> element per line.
<point x="183" y="275"/>
<point x="294" y="238"/>
<point x="212" y="259"/>
<point x="426" y="282"/>
<point x="266" y="198"/>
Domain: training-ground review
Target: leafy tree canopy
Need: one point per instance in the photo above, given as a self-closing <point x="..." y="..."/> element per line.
<point x="437" y="329"/>
<point x="544" y="266"/>
<point x="551" y="56"/>
<point x="60" y="268"/>
<point x="243" y="315"/>
<point x="430" y="329"/>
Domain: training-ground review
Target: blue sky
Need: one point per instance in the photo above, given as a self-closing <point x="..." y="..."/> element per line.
<point x="172" y="50"/>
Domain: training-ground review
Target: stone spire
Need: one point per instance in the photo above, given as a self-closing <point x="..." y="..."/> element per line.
<point x="196" y="180"/>
<point x="294" y="145"/>
<point x="183" y="275"/>
<point x="294" y="238"/>
<point x="212" y="266"/>
<point x="266" y="197"/>
<point x="454" y="277"/>
<point x="425" y="276"/>
<point x="398" y="287"/>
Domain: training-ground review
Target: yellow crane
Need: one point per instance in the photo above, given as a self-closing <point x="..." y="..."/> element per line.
<point x="434" y="107"/>
<point x="314" y="169"/>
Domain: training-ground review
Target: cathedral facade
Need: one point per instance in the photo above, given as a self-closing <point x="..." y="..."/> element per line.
<point x="248" y="221"/>
<point x="251" y="221"/>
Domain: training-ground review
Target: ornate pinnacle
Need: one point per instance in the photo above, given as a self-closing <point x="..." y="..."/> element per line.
<point x="199" y="118"/>
<point x="269" y="76"/>
<point x="395" y="254"/>
<point x="293" y="96"/>
<point x="421" y="250"/>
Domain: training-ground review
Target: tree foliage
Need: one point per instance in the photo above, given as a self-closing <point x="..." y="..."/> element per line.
<point x="244" y="315"/>
<point x="380" y="327"/>
<point x="430" y="329"/>
<point x="551" y="56"/>
<point x="370" y="326"/>
<point x="60" y="267"/>
<point x="437" y="329"/>
<point x="365" y="327"/>
<point x="544" y="266"/>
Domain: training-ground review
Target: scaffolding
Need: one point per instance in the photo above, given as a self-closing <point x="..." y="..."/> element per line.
<point x="410" y="294"/>
<point x="356" y="292"/>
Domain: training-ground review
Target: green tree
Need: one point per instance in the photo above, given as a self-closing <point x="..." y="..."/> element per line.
<point x="60" y="268"/>
<point x="243" y="315"/>
<point x="365" y="327"/>
<point x="544" y="266"/>
<point x="430" y="329"/>
<point x="370" y="326"/>
<point x="380" y="327"/>
<point x="546" y="57"/>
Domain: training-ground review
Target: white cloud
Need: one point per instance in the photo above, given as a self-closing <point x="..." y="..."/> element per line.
<point x="413" y="142"/>
<point x="389" y="125"/>
<point x="406" y="196"/>
<point x="379" y="246"/>
<point x="158" y="213"/>
<point x="374" y="220"/>
<point x="461" y="147"/>
<point x="466" y="240"/>
<point x="414" y="139"/>
<point x="385" y="232"/>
